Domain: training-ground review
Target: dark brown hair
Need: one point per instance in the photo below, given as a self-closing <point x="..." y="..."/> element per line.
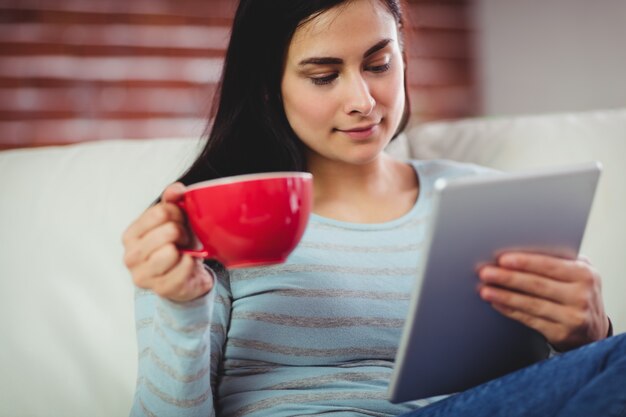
<point x="249" y="131"/>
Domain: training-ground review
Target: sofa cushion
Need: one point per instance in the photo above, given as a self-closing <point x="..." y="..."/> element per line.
<point x="66" y="299"/>
<point x="527" y="142"/>
<point x="67" y="322"/>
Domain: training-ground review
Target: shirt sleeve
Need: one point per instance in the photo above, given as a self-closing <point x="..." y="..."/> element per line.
<point x="180" y="346"/>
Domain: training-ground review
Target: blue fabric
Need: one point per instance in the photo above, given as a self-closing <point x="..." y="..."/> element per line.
<point x="318" y="335"/>
<point x="586" y="382"/>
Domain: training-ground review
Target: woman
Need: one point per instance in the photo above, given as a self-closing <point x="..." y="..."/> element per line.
<point x="320" y="86"/>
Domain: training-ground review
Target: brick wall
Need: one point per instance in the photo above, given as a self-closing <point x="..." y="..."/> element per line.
<point x="441" y="68"/>
<point x="81" y="70"/>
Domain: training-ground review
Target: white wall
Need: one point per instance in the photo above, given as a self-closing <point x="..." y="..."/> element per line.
<point x="538" y="56"/>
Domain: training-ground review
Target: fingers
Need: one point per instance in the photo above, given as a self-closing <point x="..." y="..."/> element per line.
<point x="568" y="282"/>
<point x="563" y="326"/>
<point x="164" y="235"/>
<point x="155" y="216"/>
<point x="527" y="304"/>
<point x="185" y="281"/>
<point x="526" y="283"/>
<point x="558" y="297"/>
<point x="152" y="255"/>
<point x="545" y="265"/>
<point x="160" y="263"/>
<point x="571" y="331"/>
<point x="158" y="214"/>
<point x="556" y="333"/>
<point x="173" y="192"/>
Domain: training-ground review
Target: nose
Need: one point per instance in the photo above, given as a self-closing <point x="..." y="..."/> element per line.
<point x="359" y="99"/>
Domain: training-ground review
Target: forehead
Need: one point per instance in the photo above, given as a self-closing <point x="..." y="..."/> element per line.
<point x="357" y="23"/>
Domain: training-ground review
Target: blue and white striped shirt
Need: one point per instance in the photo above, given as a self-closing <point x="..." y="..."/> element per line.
<point x="315" y="335"/>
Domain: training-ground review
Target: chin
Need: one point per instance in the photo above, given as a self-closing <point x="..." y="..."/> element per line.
<point x="364" y="158"/>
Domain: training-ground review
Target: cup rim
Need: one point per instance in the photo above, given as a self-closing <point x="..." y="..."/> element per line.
<point x="250" y="177"/>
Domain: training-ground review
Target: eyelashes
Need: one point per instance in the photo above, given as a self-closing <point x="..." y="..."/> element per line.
<point x="380" y="68"/>
<point x="327" y="79"/>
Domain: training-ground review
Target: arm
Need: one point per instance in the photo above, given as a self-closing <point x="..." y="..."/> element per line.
<point x="174" y="356"/>
<point x="559" y="298"/>
<point x="173" y="313"/>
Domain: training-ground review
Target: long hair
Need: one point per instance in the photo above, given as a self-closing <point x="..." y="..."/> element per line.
<point x="249" y="132"/>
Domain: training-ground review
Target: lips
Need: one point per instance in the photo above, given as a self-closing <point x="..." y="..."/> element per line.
<point x="359" y="129"/>
<point x="363" y="132"/>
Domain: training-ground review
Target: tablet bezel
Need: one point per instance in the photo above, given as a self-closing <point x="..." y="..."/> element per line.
<point x="449" y="352"/>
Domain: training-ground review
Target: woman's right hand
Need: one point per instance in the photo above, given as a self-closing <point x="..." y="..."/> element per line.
<point x="152" y="255"/>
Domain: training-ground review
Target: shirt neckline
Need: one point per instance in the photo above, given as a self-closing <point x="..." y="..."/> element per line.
<point x="408" y="216"/>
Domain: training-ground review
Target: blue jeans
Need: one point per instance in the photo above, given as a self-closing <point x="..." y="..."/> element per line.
<point x="587" y="382"/>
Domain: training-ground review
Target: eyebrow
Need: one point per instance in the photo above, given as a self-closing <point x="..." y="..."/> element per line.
<point x="335" y="61"/>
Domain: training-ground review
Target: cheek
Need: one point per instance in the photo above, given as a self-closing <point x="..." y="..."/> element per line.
<point x="307" y="110"/>
<point x="392" y="93"/>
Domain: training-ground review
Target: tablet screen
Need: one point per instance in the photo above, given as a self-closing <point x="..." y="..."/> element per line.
<point x="453" y="340"/>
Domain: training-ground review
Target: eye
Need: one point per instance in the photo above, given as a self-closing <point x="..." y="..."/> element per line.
<point x="324" y="80"/>
<point x="379" y="68"/>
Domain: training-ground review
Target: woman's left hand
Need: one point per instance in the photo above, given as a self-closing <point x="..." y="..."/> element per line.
<point x="559" y="298"/>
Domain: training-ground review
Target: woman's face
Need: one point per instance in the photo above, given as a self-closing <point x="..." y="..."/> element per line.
<point x="343" y="83"/>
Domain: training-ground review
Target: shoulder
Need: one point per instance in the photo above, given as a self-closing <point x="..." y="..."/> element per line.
<point x="429" y="171"/>
<point x="433" y="169"/>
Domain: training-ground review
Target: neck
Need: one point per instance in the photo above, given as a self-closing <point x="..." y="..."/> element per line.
<point x="333" y="179"/>
<point x="371" y="192"/>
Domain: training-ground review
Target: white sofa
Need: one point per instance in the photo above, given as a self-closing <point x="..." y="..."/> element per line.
<point x="66" y="300"/>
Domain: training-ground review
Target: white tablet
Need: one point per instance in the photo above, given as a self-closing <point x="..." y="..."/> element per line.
<point x="453" y="340"/>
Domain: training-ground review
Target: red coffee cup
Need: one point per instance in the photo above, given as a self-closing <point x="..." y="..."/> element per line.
<point x="249" y="220"/>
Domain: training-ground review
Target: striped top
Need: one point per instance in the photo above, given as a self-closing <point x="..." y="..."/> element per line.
<point x="317" y="334"/>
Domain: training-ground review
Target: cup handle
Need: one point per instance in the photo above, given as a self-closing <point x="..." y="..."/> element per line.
<point x="196" y="253"/>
